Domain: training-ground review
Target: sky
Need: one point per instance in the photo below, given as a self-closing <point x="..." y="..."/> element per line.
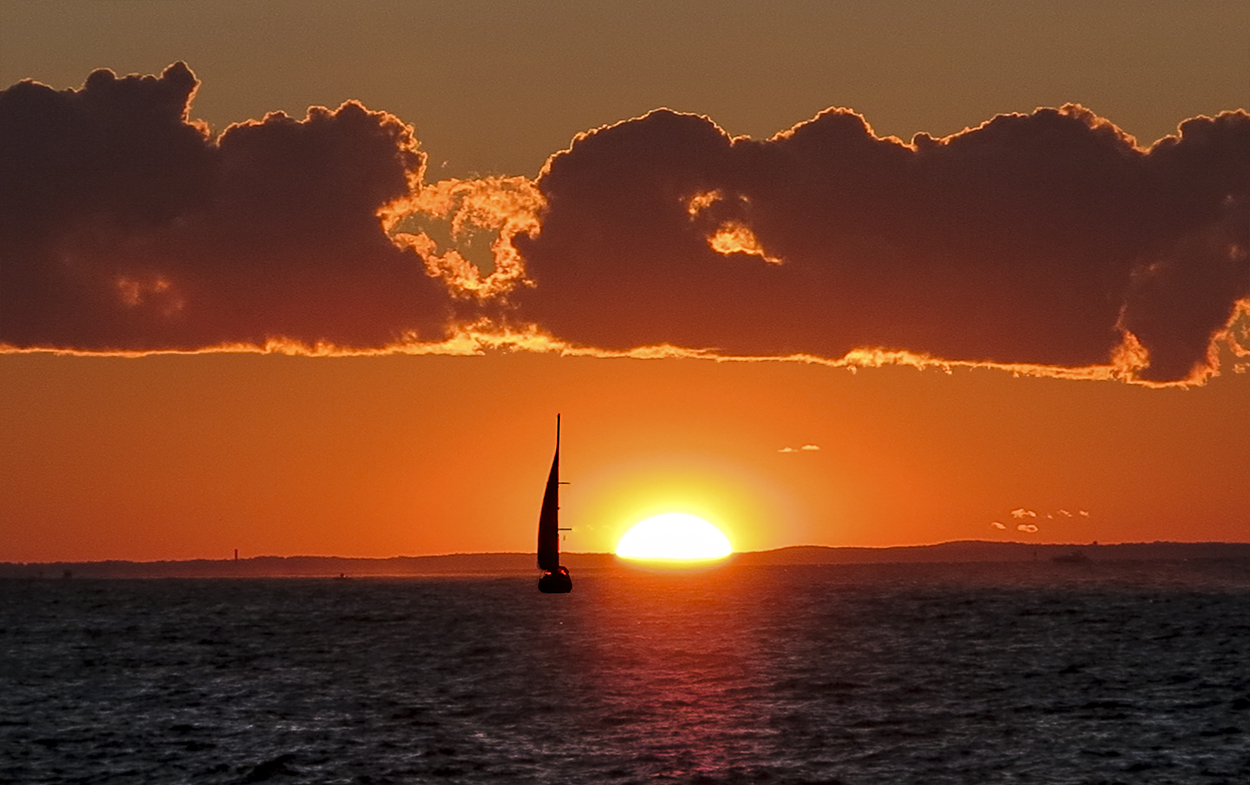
<point x="822" y="273"/>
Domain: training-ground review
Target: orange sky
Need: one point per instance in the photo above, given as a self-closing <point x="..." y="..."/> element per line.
<point x="186" y="456"/>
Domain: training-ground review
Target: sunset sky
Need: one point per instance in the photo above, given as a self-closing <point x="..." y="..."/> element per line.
<point x="848" y="286"/>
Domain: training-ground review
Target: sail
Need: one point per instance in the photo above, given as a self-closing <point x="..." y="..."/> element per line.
<point x="549" y="518"/>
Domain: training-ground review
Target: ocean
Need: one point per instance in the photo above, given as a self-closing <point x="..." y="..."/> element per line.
<point x="973" y="673"/>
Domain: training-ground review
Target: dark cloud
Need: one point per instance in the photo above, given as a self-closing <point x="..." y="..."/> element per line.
<point x="126" y="227"/>
<point x="1046" y="242"/>
<point x="1041" y="240"/>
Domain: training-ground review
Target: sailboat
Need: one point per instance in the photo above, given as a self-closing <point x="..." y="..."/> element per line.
<point x="555" y="578"/>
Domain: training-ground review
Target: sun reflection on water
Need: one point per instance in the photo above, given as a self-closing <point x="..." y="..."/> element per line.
<point x="670" y="659"/>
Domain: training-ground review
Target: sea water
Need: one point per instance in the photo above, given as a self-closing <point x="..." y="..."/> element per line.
<point x="1032" y="673"/>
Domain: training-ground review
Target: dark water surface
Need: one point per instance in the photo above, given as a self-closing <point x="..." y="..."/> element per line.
<point x="1032" y="673"/>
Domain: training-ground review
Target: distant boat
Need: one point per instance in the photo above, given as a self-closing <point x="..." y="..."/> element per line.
<point x="555" y="578"/>
<point x="1071" y="557"/>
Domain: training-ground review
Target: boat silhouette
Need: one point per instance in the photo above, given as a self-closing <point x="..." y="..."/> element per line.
<point x="555" y="578"/>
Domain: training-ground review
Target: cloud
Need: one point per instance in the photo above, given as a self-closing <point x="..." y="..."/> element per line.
<point x="1027" y="527"/>
<point x="997" y="525"/>
<point x="1046" y="241"/>
<point x="125" y="227"/>
<point x="1021" y="513"/>
<point x="1041" y="243"/>
<point x="804" y="448"/>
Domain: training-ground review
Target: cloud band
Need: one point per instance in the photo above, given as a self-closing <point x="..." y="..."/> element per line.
<point x="1048" y="242"/>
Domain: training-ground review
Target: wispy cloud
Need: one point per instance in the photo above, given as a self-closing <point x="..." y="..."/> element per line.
<point x="1026" y="518"/>
<point x="804" y="448"/>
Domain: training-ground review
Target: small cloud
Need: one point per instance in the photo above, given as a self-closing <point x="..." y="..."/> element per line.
<point x="1064" y="514"/>
<point x="1020" y="513"/>
<point x="1027" y="527"/>
<point x="1083" y="513"/>
<point x="804" y="448"/>
<point x="998" y="525"/>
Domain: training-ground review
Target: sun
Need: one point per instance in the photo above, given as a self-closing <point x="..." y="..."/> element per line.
<point x="676" y="536"/>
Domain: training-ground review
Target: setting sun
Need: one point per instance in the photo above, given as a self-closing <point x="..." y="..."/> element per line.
<point x="673" y="535"/>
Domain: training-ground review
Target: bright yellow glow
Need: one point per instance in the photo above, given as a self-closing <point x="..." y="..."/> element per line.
<point x="673" y="535"/>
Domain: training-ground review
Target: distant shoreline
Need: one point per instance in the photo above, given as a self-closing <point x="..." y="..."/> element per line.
<point x="502" y="564"/>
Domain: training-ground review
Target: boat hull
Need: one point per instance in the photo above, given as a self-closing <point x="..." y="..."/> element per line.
<point x="555" y="581"/>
